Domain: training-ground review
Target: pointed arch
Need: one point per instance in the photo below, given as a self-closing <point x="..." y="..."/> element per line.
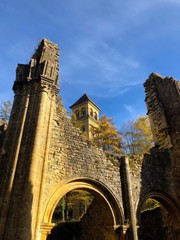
<point x="166" y="200"/>
<point x="88" y="184"/>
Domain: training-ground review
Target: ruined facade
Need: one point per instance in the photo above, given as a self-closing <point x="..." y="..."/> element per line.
<point x="161" y="168"/>
<point x="43" y="157"/>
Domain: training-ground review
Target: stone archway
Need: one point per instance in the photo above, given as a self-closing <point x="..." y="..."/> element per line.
<point x="104" y="194"/>
<point x="169" y="211"/>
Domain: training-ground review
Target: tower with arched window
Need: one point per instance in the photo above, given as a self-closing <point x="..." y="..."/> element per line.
<point x="87" y="112"/>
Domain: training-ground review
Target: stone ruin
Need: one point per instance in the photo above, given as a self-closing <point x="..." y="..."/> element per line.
<point x="44" y="157"/>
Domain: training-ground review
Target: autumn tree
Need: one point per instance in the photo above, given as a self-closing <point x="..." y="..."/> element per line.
<point x="5" y="110"/>
<point x="143" y="134"/>
<point x="137" y="136"/>
<point x="106" y="135"/>
<point x="72" y="206"/>
<point x="81" y="199"/>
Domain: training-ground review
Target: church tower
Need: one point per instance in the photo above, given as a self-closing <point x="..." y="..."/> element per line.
<point x="87" y="112"/>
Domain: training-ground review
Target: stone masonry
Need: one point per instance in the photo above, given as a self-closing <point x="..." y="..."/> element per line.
<point x="161" y="168"/>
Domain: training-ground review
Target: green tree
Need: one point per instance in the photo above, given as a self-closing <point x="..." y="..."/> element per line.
<point x="137" y="136"/>
<point x="106" y="135"/>
<point x="5" y="110"/>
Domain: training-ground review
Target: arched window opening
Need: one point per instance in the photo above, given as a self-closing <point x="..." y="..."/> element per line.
<point x="95" y="115"/>
<point x="77" y="114"/>
<point x="83" y="112"/>
<point x="91" y="112"/>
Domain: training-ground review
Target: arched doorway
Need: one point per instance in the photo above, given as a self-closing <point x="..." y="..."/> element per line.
<point x="102" y="218"/>
<point x="70" y="214"/>
<point x="158" y="216"/>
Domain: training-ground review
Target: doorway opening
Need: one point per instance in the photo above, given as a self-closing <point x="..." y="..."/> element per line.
<point x="82" y="215"/>
<point x="156" y="220"/>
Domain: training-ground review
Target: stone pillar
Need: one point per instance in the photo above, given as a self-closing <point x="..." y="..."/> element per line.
<point x="26" y="144"/>
<point x="128" y="202"/>
<point x="45" y="230"/>
<point x="9" y="157"/>
<point x="124" y="229"/>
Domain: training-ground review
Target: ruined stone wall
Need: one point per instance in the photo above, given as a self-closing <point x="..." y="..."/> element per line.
<point x="71" y="156"/>
<point x="163" y="103"/>
<point x="152" y="225"/>
<point x="97" y="223"/>
<point x="161" y="168"/>
<point x="43" y="150"/>
<point x="157" y="171"/>
<point x="135" y="174"/>
<point x="156" y="224"/>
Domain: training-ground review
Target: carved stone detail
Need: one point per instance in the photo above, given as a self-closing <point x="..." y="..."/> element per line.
<point x="42" y="69"/>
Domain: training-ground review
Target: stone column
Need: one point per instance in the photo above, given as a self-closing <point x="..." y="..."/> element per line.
<point x="35" y="89"/>
<point x="45" y="230"/>
<point x="124" y="229"/>
<point x="9" y="158"/>
<point x="132" y="221"/>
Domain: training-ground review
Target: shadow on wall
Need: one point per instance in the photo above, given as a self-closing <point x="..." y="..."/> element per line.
<point x="65" y="231"/>
<point x="24" y="214"/>
<point x="17" y="224"/>
<point x="152" y="225"/>
<point x="156" y="184"/>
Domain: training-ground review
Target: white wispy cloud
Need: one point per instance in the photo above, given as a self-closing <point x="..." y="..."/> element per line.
<point x="108" y="67"/>
<point x="102" y="40"/>
<point x="131" y="110"/>
<point x="110" y="71"/>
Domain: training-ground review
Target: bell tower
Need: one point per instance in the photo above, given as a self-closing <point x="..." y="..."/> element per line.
<point x="87" y="112"/>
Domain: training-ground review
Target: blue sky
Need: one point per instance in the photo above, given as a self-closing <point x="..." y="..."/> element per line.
<point x="108" y="48"/>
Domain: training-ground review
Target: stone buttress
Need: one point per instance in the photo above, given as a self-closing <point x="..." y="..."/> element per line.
<point x="25" y="146"/>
